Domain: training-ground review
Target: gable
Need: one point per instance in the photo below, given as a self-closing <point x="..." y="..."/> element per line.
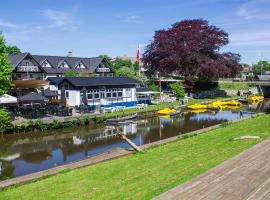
<point x="28" y="64"/>
<point x="104" y="67"/>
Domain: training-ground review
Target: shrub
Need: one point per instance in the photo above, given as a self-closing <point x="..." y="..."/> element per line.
<point x="5" y="121"/>
<point x="178" y="89"/>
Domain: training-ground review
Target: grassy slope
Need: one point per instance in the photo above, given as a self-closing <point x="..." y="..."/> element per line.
<point x="234" y="85"/>
<point x="145" y="175"/>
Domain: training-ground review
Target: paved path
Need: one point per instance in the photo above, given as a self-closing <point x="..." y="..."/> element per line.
<point x="244" y="177"/>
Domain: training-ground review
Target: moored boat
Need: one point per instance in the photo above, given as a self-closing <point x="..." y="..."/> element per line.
<point x="166" y="111"/>
<point x="197" y="106"/>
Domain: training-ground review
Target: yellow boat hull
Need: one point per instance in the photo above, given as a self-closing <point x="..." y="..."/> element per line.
<point x="197" y="107"/>
<point x="166" y="111"/>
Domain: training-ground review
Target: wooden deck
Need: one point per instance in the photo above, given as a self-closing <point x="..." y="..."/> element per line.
<point x="244" y="177"/>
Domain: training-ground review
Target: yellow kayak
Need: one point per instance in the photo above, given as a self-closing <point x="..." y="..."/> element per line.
<point x="220" y="104"/>
<point x="198" y="110"/>
<point x="166" y="111"/>
<point x="255" y="98"/>
<point x="197" y="106"/>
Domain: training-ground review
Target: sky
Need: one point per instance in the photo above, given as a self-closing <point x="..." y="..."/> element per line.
<point x="116" y="27"/>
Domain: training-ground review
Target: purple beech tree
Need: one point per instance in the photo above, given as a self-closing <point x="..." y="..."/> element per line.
<point x="190" y="48"/>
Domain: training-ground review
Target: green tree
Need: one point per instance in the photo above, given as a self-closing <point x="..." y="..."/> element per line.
<point x="107" y="57"/>
<point x="136" y="66"/>
<point x="5" y="120"/>
<point x="5" y="68"/>
<point x="13" y="50"/>
<point x="71" y="74"/>
<point x="126" y="72"/>
<point x="261" y="67"/>
<point x="120" y="63"/>
<point x="178" y="88"/>
<point x="153" y="86"/>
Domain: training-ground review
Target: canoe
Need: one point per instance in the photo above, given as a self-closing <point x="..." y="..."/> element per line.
<point x="121" y="119"/>
<point x="197" y="106"/>
<point x="198" y="110"/>
<point x="220" y="104"/>
<point x="166" y="111"/>
<point x="255" y="98"/>
<point x="231" y="103"/>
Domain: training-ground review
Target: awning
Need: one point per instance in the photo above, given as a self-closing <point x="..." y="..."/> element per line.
<point x="33" y="97"/>
<point x="7" y="99"/>
<point x="29" y="83"/>
<point x="148" y="92"/>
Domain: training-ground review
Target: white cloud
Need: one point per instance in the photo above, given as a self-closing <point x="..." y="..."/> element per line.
<point x="251" y="38"/>
<point x="8" y="24"/>
<point x="255" y="9"/>
<point x="58" y="19"/>
<point x="129" y="17"/>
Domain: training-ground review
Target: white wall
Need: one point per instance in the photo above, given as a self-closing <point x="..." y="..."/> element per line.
<point x="74" y="98"/>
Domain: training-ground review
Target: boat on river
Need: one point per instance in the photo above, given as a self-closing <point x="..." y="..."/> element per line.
<point x="255" y="98"/>
<point x="122" y="119"/>
<point x="166" y="111"/>
<point x="197" y="107"/>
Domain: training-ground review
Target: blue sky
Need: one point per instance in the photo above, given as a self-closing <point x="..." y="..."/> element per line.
<point x="116" y="27"/>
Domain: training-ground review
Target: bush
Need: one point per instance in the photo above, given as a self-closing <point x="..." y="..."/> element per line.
<point x="178" y="89"/>
<point x="5" y="121"/>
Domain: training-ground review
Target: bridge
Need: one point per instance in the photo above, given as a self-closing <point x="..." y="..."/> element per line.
<point x="264" y="88"/>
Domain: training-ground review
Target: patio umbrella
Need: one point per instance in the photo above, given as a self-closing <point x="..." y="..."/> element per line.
<point x="84" y="97"/>
<point x="33" y="97"/>
<point x="7" y="99"/>
<point x="63" y="97"/>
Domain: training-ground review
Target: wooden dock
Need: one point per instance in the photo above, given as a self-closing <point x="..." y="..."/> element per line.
<point x="244" y="177"/>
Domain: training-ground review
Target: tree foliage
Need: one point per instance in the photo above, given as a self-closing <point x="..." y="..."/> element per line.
<point x="5" y="120"/>
<point x="107" y="57"/>
<point x="71" y="74"/>
<point x="120" y="63"/>
<point x="261" y="67"/>
<point x="178" y="88"/>
<point x="190" y="48"/>
<point x="12" y="50"/>
<point x="5" y="68"/>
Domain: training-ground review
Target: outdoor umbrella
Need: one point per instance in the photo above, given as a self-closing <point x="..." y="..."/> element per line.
<point x="33" y="97"/>
<point x="7" y="99"/>
<point x="84" y="97"/>
<point x="63" y="97"/>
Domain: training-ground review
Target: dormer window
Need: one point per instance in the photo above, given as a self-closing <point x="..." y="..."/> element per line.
<point x="63" y="64"/>
<point x="46" y="64"/>
<point x="80" y="65"/>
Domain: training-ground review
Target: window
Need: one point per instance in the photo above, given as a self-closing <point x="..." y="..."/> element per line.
<point x="26" y="63"/>
<point x="109" y="95"/>
<point x="120" y="94"/>
<point x="96" y="96"/>
<point x="90" y="96"/>
<point x="67" y="94"/>
<point x="114" y="94"/>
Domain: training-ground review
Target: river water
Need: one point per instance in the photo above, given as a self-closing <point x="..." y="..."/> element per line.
<point x="31" y="152"/>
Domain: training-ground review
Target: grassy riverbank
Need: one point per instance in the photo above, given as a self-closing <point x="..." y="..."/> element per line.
<point x="148" y="174"/>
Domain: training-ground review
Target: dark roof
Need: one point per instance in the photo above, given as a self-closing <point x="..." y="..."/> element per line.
<point x="90" y="63"/>
<point x="49" y="93"/>
<point x="96" y="81"/>
<point x="55" y="80"/>
<point x="32" y="97"/>
<point x="142" y="89"/>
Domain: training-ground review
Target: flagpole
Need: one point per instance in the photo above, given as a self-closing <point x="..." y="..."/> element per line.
<point x="139" y="60"/>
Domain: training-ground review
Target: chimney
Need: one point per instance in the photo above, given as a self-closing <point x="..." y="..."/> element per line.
<point x="69" y="54"/>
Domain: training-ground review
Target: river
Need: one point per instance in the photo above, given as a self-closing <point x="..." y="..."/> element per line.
<point x="22" y="154"/>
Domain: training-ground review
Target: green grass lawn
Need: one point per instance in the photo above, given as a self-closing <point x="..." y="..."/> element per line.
<point x="234" y="85"/>
<point x="146" y="175"/>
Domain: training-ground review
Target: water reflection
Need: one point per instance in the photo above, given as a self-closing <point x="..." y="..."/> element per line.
<point x="28" y="153"/>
